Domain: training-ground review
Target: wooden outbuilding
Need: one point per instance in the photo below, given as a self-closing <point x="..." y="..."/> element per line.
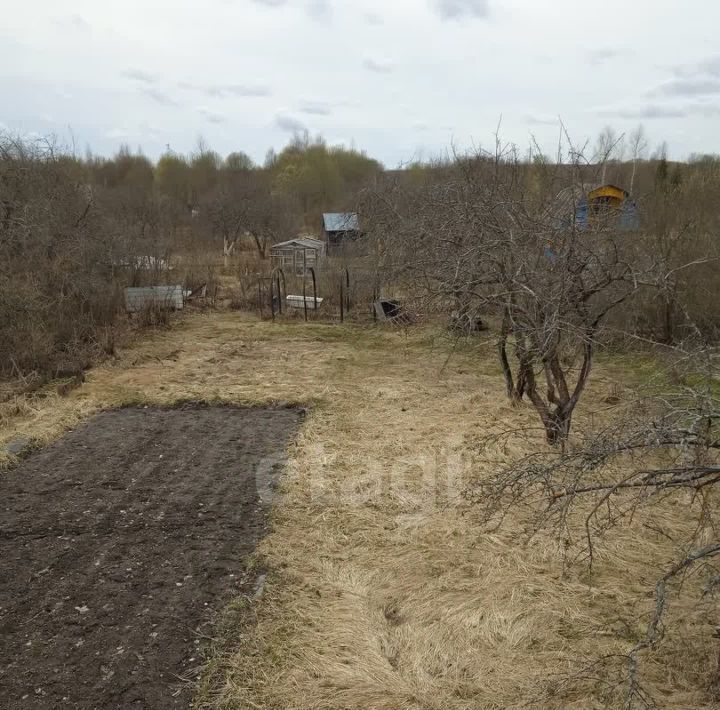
<point x="340" y="228"/>
<point x="295" y="256"/>
<point x="587" y="207"/>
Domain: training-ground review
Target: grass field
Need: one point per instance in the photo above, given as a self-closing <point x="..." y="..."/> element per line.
<point x="384" y="591"/>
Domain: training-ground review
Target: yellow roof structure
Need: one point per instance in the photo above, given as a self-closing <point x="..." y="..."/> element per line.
<point x="608" y="191"/>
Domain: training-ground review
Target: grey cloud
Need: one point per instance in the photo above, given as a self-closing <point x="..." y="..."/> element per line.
<point x="542" y="120"/>
<point x="710" y="66"/>
<point x="139" y="75"/>
<point x="688" y="87"/>
<point x="315" y="108"/>
<point x="679" y="110"/>
<point x="319" y="9"/>
<point x="704" y="109"/>
<point x="379" y="66"/>
<point x="221" y="91"/>
<point x="373" y="18"/>
<point x="159" y="97"/>
<point x="142" y="130"/>
<point x="80" y="22"/>
<point x="244" y="90"/>
<point x="73" y="21"/>
<point x="212" y="116"/>
<point x="459" y="9"/>
<point x="650" y="111"/>
<point x="599" y="56"/>
<point x="287" y="123"/>
<point x="119" y="133"/>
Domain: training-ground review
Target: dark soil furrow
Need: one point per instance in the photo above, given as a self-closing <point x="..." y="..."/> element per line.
<point x="117" y="545"/>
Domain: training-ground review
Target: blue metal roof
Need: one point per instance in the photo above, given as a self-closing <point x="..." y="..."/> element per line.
<point x="341" y="222"/>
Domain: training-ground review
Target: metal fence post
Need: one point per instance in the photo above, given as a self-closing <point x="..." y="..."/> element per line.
<point x="272" y="298"/>
<point x="347" y="290"/>
<point x="275" y="275"/>
<point x="315" y="304"/>
<point x="342" y="303"/>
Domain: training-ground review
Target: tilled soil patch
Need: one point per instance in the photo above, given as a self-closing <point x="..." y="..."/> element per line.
<point x="117" y="544"/>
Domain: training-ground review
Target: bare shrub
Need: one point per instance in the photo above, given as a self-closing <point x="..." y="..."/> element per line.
<point x="154" y="315"/>
<point x="55" y="289"/>
<point x="659" y="449"/>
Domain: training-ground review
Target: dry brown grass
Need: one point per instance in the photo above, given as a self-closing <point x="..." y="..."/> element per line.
<point x="384" y="590"/>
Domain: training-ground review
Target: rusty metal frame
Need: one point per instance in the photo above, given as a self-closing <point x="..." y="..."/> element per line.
<point x="342" y="302"/>
<point x="344" y="295"/>
<point x="275" y="275"/>
<point x="347" y="290"/>
<point x="314" y="278"/>
<point x="315" y="303"/>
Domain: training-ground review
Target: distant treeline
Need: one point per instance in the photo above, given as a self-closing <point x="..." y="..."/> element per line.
<point x="71" y="228"/>
<point x="311" y="173"/>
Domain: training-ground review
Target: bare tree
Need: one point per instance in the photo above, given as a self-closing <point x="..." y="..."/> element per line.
<point x="638" y="147"/>
<point x="609" y="147"/>
<point x="487" y="235"/>
<point x="274" y="218"/>
<point x="228" y="209"/>
<point x="245" y="203"/>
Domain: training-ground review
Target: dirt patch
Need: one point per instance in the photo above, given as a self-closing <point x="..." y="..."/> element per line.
<point x="118" y="543"/>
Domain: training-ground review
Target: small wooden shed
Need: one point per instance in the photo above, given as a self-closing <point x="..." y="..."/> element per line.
<point x="340" y="228"/>
<point x="297" y="255"/>
<point x="588" y="207"/>
<point x="610" y="204"/>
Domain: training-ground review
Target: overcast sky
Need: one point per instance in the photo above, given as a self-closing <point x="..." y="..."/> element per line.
<point x="401" y="79"/>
